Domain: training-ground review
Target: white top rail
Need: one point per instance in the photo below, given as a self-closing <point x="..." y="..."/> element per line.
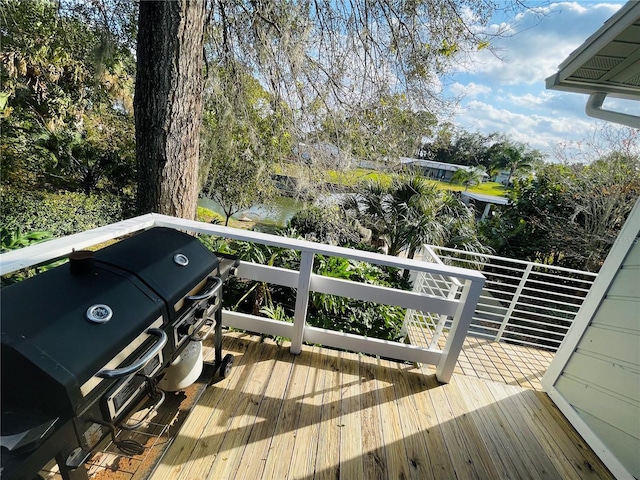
<point x="46" y="251"/>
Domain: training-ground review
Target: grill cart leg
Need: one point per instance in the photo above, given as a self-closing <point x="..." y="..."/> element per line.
<point x="220" y="363"/>
<point x="226" y="267"/>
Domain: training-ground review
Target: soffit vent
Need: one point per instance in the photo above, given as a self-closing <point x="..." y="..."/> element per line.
<point x="588" y="73"/>
<point x="634" y="80"/>
<point x="602" y="63"/>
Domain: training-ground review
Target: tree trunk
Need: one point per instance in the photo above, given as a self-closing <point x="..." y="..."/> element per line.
<point x="168" y="105"/>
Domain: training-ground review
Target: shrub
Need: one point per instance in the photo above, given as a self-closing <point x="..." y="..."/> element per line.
<point x="325" y="225"/>
<point x="61" y="213"/>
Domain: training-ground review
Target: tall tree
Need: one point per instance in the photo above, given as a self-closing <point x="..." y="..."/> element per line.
<point x="168" y="105"/>
<point x="382" y="130"/>
<point x="568" y="215"/>
<point x="515" y="158"/>
<point x="243" y="133"/>
<point x="65" y="102"/>
<point x="317" y="56"/>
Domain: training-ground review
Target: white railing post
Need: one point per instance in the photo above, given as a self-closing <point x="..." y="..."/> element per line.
<point x="459" y="327"/>
<point x="453" y="291"/>
<point x="302" y="301"/>
<point x="514" y="301"/>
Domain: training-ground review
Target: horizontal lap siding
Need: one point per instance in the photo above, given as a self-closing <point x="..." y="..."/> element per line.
<point x="602" y="378"/>
<point x="625" y="446"/>
<point x="619" y="313"/>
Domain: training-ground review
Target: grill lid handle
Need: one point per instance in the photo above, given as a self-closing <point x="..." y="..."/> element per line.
<point x="209" y="293"/>
<point x="141" y="362"/>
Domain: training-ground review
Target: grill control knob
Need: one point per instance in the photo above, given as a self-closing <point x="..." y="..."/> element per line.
<point x="186" y="329"/>
<point x="200" y="312"/>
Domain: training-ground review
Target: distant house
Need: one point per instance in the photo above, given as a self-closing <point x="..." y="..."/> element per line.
<point x="502" y="176"/>
<point x="434" y="170"/>
<point x="482" y="203"/>
<point x="324" y="154"/>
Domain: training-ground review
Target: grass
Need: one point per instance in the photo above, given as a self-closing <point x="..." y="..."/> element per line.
<point x="486" y="188"/>
<point x="352" y="177"/>
<point x="209" y="216"/>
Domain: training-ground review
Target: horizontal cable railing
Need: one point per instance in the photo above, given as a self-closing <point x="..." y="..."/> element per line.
<point x="522" y="302"/>
<point x="450" y="295"/>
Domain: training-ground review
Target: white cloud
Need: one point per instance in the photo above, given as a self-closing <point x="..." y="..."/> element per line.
<point x="539" y="131"/>
<point x="529" y="100"/>
<point x="470" y="90"/>
<point x="508" y="95"/>
<point x="539" y="40"/>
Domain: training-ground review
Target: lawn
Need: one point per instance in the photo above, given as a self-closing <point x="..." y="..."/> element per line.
<point x="486" y="188"/>
<point x="352" y="177"/>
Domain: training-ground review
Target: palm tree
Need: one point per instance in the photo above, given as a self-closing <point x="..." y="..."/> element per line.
<point x="411" y="212"/>
<point x="513" y="158"/>
<point x="467" y="177"/>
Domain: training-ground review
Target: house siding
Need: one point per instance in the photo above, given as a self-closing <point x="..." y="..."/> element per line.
<point x="601" y="379"/>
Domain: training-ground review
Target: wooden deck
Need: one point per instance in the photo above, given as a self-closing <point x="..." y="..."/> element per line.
<point x="329" y="414"/>
<point x="503" y="362"/>
<point x="499" y="361"/>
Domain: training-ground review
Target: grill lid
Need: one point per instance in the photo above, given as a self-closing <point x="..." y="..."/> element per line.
<point x="59" y="330"/>
<point x="170" y="262"/>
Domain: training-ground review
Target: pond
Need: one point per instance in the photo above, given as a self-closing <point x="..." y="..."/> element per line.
<point x="279" y="211"/>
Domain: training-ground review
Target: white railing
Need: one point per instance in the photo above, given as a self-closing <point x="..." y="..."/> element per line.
<point x="522" y="302"/>
<point x="426" y="328"/>
<point x="458" y="309"/>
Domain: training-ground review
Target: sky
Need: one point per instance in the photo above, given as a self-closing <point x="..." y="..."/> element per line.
<point x="508" y="94"/>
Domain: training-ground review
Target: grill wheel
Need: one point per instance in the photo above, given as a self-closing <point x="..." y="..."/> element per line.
<point x="225" y="365"/>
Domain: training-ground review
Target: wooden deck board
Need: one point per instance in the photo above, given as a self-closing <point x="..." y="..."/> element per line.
<point x="288" y="422"/>
<point x="253" y="460"/>
<point x="305" y="452"/>
<point x="374" y="458"/>
<point x="351" y="467"/>
<point x="327" y="464"/>
<point x="327" y="415"/>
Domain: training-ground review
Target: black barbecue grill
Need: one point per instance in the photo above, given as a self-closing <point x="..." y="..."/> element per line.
<point x="82" y="345"/>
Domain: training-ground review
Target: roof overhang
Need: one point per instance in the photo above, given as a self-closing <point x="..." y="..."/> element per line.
<point x="607" y="63"/>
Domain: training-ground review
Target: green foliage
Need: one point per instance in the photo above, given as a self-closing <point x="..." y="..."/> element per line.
<point x="326" y="311"/>
<point x="387" y="128"/>
<point x="209" y="216"/>
<point x="493" y="152"/>
<point x="517" y="230"/>
<point x="354" y="316"/>
<point x="43" y="59"/>
<point x="59" y="213"/>
<point x="65" y="117"/>
<point x="13" y="239"/>
<point x="468" y="177"/>
<point x="244" y="132"/>
<point x="568" y="215"/>
<point x="413" y="211"/>
<point x="324" y="225"/>
<point x="276" y="313"/>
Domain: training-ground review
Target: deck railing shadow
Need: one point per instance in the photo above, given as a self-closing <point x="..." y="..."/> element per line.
<point x="416" y="427"/>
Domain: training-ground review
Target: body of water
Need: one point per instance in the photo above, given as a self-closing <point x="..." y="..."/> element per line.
<point x="279" y="211"/>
